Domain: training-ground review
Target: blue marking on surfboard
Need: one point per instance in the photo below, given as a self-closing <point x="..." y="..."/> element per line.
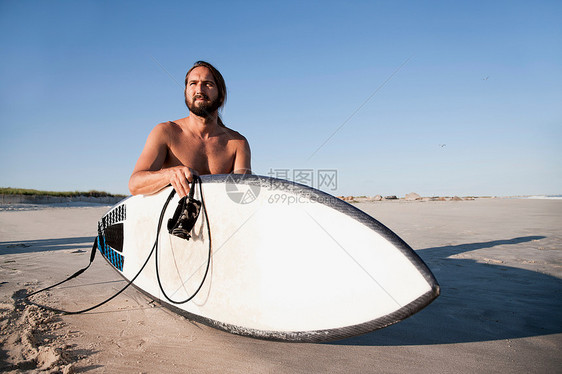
<point x="112" y="256"/>
<point x="116" y="215"/>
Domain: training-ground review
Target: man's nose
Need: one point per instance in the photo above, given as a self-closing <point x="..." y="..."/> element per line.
<point x="199" y="88"/>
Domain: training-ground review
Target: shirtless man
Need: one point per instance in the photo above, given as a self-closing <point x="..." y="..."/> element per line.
<point x="199" y="144"/>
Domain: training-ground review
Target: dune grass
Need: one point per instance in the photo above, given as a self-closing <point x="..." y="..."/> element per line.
<point x="31" y="192"/>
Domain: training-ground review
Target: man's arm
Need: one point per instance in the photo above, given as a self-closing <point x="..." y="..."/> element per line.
<point x="242" y="160"/>
<point x="149" y="177"/>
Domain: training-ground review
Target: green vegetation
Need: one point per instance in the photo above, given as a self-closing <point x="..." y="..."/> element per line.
<point x="25" y="191"/>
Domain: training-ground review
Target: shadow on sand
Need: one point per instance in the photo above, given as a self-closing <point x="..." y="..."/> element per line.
<point x="478" y="302"/>
<point x="30" y="246"/>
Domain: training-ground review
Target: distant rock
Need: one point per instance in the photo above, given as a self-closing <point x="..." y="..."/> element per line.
<point x="377" y="198"/>
<point x="456" y="198"/>
<point x="346" y="198"/>
<point x="412" y="196"/>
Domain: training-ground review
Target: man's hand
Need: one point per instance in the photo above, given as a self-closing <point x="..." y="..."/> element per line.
<point x="180" y="177"/>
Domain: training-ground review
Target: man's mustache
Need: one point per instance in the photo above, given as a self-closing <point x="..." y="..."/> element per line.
<point x="201" y="96"/>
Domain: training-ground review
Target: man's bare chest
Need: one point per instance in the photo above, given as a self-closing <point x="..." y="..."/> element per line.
<point x="209" y="157"/>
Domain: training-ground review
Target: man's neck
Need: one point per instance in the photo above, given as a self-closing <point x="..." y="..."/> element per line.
<point x="202" y="126"/>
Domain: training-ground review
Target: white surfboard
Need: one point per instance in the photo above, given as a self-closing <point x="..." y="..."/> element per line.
<point x="287" y="262"/>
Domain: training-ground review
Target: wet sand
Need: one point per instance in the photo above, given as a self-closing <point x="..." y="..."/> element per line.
<point x="498" y="261"/>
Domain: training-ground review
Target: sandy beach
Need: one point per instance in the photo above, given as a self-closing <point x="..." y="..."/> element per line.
<point x="498" y="261"/>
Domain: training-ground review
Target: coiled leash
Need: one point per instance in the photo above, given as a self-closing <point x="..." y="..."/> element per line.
<point x="179" y="225"/>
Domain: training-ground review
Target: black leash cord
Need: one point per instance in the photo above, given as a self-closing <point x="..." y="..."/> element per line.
<point x="92" y="255"/>
<point x="198" y="180"/>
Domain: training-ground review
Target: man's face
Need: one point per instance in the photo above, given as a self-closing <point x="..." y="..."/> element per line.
<point x="201" y="92"/>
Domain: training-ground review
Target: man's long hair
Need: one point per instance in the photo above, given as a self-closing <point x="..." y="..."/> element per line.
<point x="219" y="81"/>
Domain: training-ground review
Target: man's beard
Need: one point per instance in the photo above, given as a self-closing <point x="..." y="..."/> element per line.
<point x="203" y="109"/>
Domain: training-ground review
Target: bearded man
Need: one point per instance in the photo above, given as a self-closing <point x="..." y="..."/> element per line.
<point x="198" y="144"/>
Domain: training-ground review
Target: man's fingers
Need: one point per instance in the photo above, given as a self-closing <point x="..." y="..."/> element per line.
<point x="188" y="175"/>
<point x="179" y="190"/>
<point x="180" y="185"/>
<point x="180" y="179"/>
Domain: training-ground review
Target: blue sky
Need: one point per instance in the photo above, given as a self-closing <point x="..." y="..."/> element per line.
<point x="465" y="97"/>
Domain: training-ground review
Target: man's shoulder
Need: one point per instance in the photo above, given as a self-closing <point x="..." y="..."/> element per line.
<point x="233" y="134"/>
<point x="168" y="127"/>
<point x="164" y="132"/>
